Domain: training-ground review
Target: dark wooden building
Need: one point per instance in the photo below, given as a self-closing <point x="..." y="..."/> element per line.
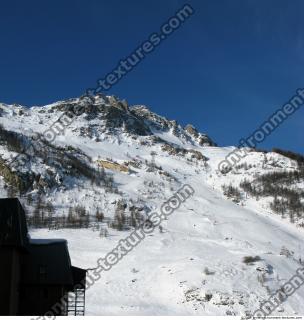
<point x="36" y="275"/>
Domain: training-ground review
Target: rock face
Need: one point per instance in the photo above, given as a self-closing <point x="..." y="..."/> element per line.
<point x="205" y="140"/>
<point x="202" y="139"/>
<point x="112" y="165"/>
<point x="158" y="123"/>
<point x="116" y="116"/>
<point x="191" y="130"/>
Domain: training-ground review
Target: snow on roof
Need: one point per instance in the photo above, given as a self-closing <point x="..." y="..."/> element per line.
<point x="46" y="241"/>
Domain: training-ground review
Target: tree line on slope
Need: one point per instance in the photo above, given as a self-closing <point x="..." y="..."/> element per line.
<point x="281" y="186"/>
<point x="44" y="216"/>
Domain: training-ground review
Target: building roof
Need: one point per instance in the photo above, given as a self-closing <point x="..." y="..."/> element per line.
<point x="13" y="228"/>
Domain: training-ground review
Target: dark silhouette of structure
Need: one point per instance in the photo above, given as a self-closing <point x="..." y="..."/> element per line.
<point x="37" y="277"/>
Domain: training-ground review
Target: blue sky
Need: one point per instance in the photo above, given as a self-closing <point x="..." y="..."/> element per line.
<point x="227" y="68"/>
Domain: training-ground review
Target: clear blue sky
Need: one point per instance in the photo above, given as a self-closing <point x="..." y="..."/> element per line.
<point x="225" y="70"/>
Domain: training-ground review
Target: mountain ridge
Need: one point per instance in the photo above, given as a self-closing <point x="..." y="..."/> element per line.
<point x="114" y="164"/>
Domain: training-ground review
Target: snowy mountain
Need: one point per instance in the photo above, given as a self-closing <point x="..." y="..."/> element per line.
<point x="97" y="175"/>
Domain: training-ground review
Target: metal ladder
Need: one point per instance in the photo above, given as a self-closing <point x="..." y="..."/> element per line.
<point x="76" y="303"/>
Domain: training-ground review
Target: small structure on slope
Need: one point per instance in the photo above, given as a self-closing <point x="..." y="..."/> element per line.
<point x="37" y="277"/>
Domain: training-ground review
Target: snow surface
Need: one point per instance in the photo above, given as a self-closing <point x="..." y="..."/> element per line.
<point x="157" y="277"/>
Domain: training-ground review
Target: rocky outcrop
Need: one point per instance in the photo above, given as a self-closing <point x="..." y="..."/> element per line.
<point x="202" y="139"/>
<point x="112" y="166"/>
<point x="177" y="151"/>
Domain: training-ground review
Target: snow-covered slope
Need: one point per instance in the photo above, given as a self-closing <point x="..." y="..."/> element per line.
<point x="193" y="265"/>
